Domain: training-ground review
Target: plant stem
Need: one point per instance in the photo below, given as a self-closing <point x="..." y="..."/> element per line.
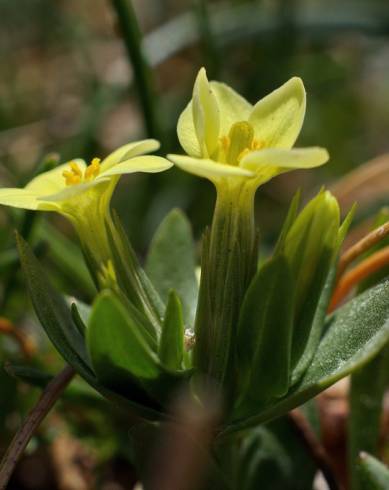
<point x="361" y="247"/>
<point x="228" y="265"/>
<point x="363" y="270"/>
<point x="315" y="448"/>
<point x="133" y="41"/>
<point x="47" y="400"/>
<point x="209" y="47"/>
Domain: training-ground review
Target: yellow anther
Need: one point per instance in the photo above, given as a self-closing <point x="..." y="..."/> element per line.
<point x="75" y="169"/>
<point x="93" y="169"/>
<point x="73" y="175"/>
<point x="71" y="178"/>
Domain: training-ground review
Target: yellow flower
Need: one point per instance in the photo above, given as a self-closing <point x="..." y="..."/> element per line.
<point x="83" y="192"/>
<point x="226" y="137"/>
<point x="64" y="188"/>
<point x="238" y="147"/>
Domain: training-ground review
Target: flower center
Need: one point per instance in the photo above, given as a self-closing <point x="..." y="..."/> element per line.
<point x="74" y="175"/>
<point x="238" y="143"/>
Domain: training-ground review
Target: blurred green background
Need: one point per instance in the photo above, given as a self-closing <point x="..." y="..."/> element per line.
<point x="67" y="86"/>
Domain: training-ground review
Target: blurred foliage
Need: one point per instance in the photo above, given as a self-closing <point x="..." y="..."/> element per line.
<point x="66" y="85"/>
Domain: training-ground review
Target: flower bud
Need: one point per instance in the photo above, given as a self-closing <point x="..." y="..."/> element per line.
<point x="309" y="247"/>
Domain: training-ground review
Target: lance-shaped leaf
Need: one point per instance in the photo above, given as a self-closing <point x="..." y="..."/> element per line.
<point x="120" y="355"/>
<point x="171" y="262"/>
<point x="53" y="312"/>
<point x="78" y="390"/>
<point x="288" y="222"/>
<point x="265" y="332"/>
<point x="56" y="319"/>
<point x="355" y="334"/>
<point x="171" y="346"/>
<point x="368" y="386"/>
<point x="318" y="320"/>
<point x="373" y="474"/>
<point x="132" y="278"/>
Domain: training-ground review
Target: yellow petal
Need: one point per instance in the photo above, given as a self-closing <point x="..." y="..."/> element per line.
<point x="205" y="114"/>
<point x="278" y="117"/>
<point x="52" y="182"/>
<point x="73" y="190"/>
<point x="186" y="132"/>
<point x="147" y="163"/>
<point x="232" y="108"/>
<point x="209" y="168"/>
<point x="285" y="159"/>
<point x="128" y="151"/>
<point x="22" y="198"/>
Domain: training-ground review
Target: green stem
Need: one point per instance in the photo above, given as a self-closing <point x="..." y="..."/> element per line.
<point x="209" y="47"/>
<point x="228" y="265"/>
<point x="133" y="41"/>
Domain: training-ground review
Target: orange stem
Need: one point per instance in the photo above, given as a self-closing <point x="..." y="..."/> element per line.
<point x="362" y="246"/>
<point x="350" y="279"/>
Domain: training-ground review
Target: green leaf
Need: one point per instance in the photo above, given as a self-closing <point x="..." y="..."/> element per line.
<point x="171" y="262"/>
<point x="120" y="355"/>
<point x="265" y="332"/>
<point x="368" y="387"/>
<point x="132" y="278"/>
<point x="77" y="319"/>
<point x="53" y="312"/>
<point x="374" y="475"/>
<point x="272" y="457"/>
<point x="78" y="390"/>
<point x="171" y="346"/>
<point x="320" y="308"/>
<point x="28" y="374"/>
<point x="115" y="342"/>
<point x="310" y="246"/>
<point x="313" y="314"/>
<point x="344" y="227"/>
<point x="56" y="319"/>
<point x="356" y="333"/>
<point x="289" y="220"/>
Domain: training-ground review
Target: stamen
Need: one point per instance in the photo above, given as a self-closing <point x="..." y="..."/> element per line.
<point x="70" y="178"/>
<point x="93" y="169"/>
<point x="241" y="136"/>
<point x="75" y="169"/>
<point x="74" y="175"/>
